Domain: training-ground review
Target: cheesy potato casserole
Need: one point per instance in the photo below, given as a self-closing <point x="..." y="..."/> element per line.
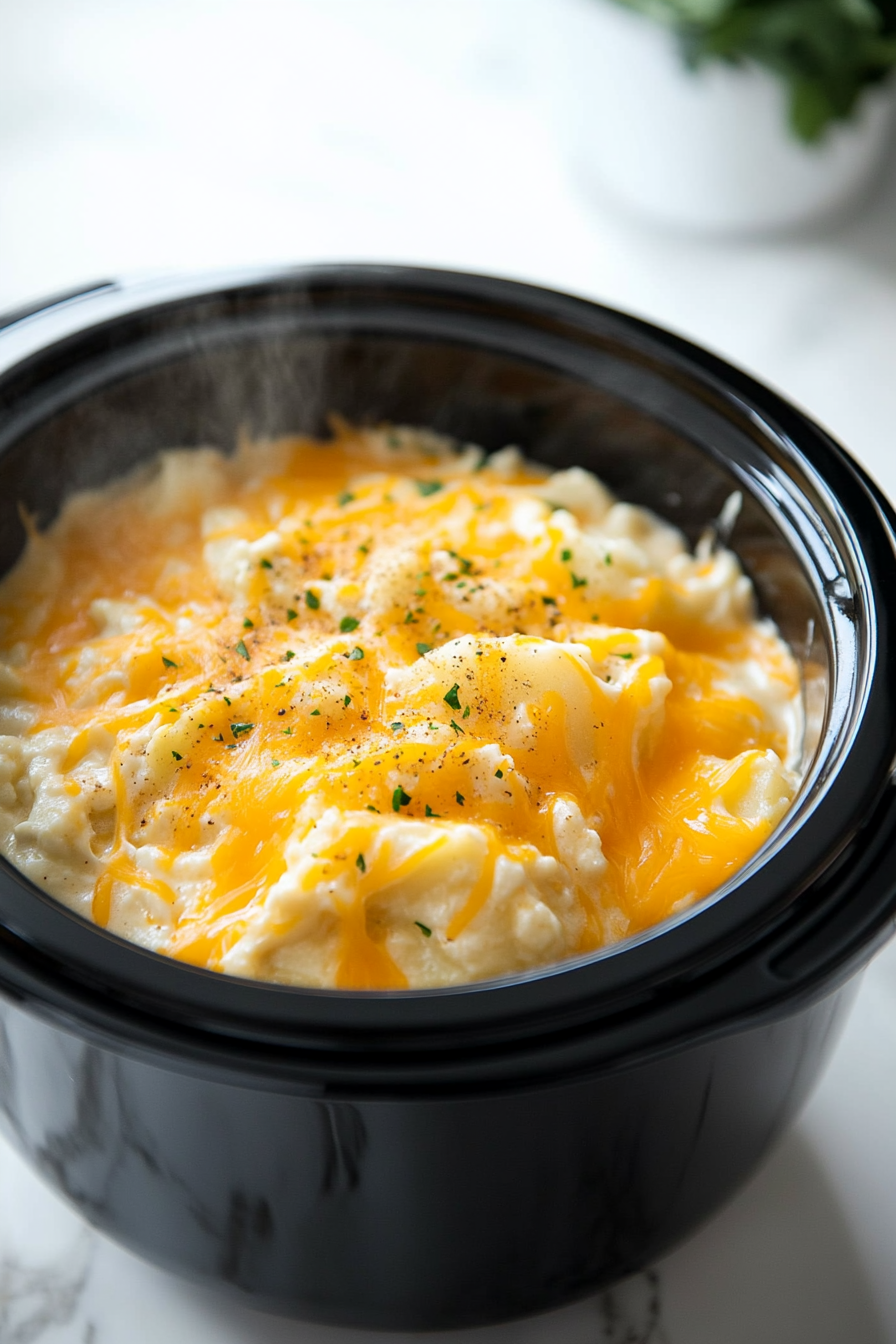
<point x="380" y="713"/>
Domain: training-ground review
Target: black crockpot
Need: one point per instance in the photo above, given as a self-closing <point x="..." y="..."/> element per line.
<point x="450" y="1157"/>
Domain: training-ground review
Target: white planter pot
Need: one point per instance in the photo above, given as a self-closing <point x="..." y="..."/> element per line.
<point x="710" y="149"/>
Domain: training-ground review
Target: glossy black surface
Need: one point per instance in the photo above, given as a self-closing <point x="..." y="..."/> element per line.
<point x="445" y="1157"/>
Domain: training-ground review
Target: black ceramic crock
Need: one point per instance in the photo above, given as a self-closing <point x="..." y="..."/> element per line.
<point x="450" y="1157"/>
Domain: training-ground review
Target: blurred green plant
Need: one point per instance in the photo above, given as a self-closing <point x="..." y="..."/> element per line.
<point x="826" y="51"/>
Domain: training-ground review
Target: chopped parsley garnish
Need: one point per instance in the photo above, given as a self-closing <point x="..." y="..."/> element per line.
<point x="348" y="624"/>
<point x="576" y="581"/>
<point x="457" y="728"/>
<point x="466" y="565"/>
<point x="227" y="700"/>
<point x="360" y="864"/>
<point x="467" y="712"/>
<point x="427" y="933"/>
<point x="430" y="813"/>
<point x="347" y="701"/>
<point x="265" y="564"/>
<point x="549" y="601"/>
<point x="345" y="498"/>
<point x="409" y="619"/>
<point x="400" y="799"/>
<point x="364" y="548"/>
<point x="428" y="487"/>
<point x="450" y="697"/>
<point x="219" y="738"/>
<point x="288" y="656"/>
<point x="371" y="808"/>
<point x="565" y="555"/>
<point x="287" y="732"/>
<point x="608" y="559"/>
<point x="313" y="712"/>
<point x="239" y="728"/>
<point x="397" y="727"/>
<point x="177" y="756"/>
<point x="626" y="655"/>
<point x="275" y="764"/>
<point x="312" y="601"/>
<point x="291" y="613"/>
<point x="355" y="655"/>
<point x="460" y="798"/>
<point x="248" y="625"/>
<point x="423" y="648"/>
<point x="499" y="774"/>
<point x="242" y="650"/>
<point x="169" y="662"/>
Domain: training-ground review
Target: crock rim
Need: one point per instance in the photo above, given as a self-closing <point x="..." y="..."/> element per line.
<point x="635" y="975"/>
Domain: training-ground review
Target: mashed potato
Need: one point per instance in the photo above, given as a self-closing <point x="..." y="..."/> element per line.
<point x="378" y="714"/>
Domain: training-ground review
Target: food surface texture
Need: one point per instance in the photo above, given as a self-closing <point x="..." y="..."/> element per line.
<point x="382" y="713"/>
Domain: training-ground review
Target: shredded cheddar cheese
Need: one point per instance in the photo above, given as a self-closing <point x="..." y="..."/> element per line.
<point x="376" y="713"/>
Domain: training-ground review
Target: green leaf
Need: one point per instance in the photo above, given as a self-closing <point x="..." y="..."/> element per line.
<point x="825" y="52"/>
<point x="450" y="697"/>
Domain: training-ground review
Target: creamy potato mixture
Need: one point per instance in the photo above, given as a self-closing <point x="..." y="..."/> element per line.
<point x="377" y="713"/>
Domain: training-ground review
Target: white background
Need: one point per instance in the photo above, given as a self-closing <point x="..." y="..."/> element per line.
<point x="150" y="135"/>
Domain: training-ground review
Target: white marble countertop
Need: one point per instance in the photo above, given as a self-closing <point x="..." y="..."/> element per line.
<point x="171" y="134"/>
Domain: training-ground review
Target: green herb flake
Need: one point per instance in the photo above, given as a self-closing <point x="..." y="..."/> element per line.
<point x="347" y="701"/>
<point x="430" y="813"/>
<point x="312" y="601"/>
<point x="291" y="613"/>
<point x="423" y="648"/>
<point x="360" y="864"/>
<point x="356" y="655"/>
<point x="427" y="932"/>
<point x="218" y="738"/>
<point x="177" y="756"/>
<point x="287" y="732"/>
<point x="248" y="625"/>
<point x="288" y="656"/>
<point x="578" y="582"/>
<point x="348" y="624"/>
<point x="397" y="727"/>
<point x="314" y="712"/>
<point x="565" y="555"/>
<point x="227" y="700"/>
<point x="169" y="662"/>
<point x="371" y="808"/>
<point x="265" y="564"/>
<point x="410" y="619"/>
<point x="457" y="728"/>
<point x="499" y="774"/>
<point x="460" y="799"/>
<point x="364" y="549"/>
<point x="400" y="799"/>
<point x="238" y="729"/>
<point x="275" y="764"/>
<point x="626" y="655"/>
<point x="242" y="650"/>
<point x="450" y="697"/>
<point x="345" y="498"/>
<point x="467" y="712"/>
<point x="428" y="487"/>
<point x="549" y="601"/>
<point x="608" y="559"/>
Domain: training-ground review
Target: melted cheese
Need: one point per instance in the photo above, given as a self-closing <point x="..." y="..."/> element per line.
<point x="376" y="714"/>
